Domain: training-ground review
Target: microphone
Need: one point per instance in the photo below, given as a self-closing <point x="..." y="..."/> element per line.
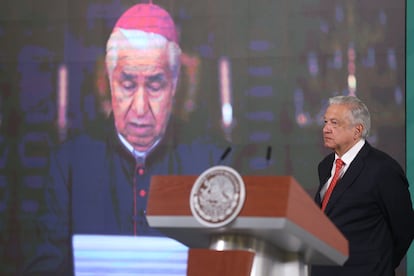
<point x="268" y="153"/>
<point x="224" y="154"/>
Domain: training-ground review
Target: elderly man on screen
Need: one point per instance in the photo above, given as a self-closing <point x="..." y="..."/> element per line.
<point x="99" y="180"/>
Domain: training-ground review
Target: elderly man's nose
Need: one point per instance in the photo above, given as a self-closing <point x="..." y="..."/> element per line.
<point x="140" y="102"/>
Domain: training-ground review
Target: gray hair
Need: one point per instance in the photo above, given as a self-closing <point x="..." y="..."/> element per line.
<point x="122" y="39"/>
<point x="359" y="113"/>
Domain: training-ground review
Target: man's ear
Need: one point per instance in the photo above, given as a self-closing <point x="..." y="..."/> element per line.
<point x="358" y="130"/>
<point x="175" y="85"/>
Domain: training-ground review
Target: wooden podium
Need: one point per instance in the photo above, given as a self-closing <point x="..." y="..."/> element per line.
<point x="279" y="230"/>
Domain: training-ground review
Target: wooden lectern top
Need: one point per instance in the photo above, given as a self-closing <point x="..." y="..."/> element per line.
<point x="277" y="209"/>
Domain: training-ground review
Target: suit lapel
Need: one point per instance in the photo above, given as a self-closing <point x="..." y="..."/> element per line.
<point x="354" y="170"/>
<point x="324" y="171"/>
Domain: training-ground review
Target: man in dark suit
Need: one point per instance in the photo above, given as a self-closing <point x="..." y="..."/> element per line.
<point x="370" y="202"/>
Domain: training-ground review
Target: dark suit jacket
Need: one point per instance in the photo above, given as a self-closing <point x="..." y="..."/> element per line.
<point x="371" y="206"/>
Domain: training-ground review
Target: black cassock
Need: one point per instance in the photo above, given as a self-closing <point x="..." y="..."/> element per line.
<point x="91" y="186"/>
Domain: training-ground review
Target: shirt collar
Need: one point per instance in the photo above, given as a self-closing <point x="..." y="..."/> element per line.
<point x="350" y="155"/>
<point x="137" y="154"/>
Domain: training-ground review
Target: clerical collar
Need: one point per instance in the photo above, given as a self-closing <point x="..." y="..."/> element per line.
<point x="137" y="154"/>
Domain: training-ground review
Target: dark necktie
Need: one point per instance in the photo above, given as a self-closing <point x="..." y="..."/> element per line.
<point x="338" y="166"/>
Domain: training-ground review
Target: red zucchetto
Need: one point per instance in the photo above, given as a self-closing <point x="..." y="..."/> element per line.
<point x="148" y="18"/>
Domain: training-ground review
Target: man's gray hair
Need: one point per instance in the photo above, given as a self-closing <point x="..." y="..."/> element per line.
<point x="122" y="39"/>
<point x="359" y="113"/>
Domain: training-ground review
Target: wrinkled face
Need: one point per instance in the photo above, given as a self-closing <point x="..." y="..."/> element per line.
<point x="338" y="132"/>
<point x="142" y="90"/>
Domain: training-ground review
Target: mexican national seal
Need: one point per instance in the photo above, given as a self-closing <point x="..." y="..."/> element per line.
<point x="217" y="196"/>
